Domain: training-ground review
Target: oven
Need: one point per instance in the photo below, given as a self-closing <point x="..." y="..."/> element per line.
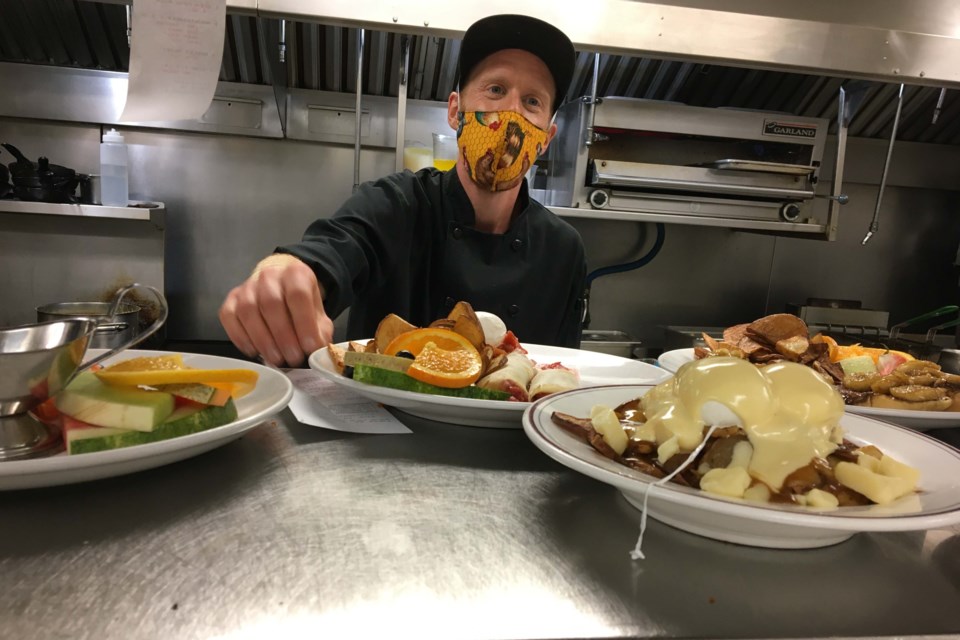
<point x="653" y="157"/>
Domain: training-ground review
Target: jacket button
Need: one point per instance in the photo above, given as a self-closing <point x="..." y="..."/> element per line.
<point x="516" y="244"/>
<point x="457" y="233"/>
<point x="513" y="310"/>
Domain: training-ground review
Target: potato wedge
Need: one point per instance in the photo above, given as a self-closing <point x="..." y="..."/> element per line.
<point x="336" y="356"/>
<point x="389" y="328"/>
<point x="466" y="323"/>
<point x="353" y="345"/>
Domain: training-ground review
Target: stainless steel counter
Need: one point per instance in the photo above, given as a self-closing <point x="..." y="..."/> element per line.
<point x="297" y="532"/>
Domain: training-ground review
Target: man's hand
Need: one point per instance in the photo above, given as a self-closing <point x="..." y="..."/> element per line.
<point x="277" y="312"/>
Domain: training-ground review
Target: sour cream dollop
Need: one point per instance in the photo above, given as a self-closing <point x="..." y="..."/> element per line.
<point x="494" y="329"/>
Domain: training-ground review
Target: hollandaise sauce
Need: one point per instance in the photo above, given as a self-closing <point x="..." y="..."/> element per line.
<point x="776" y="436"/>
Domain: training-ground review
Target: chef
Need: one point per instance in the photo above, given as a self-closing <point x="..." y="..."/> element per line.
<point x="414" y="244"/>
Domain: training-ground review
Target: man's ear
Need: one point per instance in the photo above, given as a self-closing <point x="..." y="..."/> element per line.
<point x="552" y="131"/>
<point x="453" y="108"/>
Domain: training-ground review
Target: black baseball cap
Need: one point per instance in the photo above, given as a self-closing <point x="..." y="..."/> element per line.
<point x="508" y="31"/>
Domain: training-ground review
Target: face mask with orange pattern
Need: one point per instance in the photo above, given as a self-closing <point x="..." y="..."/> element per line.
<point x="499" y="147"/>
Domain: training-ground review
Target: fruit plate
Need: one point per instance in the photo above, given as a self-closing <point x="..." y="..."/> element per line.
<point x="594" y="368"/>
<point x="269" y="397"/>
<point x="762" y="525"/>
<point x="919" y="420"/>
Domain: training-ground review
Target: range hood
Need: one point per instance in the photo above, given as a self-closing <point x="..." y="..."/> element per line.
<point x="323" y="57"/>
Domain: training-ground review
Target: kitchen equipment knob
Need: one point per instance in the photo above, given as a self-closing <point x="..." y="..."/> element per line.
<point x="790" y="212"/>
<point x="599" y="199"/>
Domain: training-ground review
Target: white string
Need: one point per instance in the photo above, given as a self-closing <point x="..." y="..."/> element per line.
<point x="637" y="553"/>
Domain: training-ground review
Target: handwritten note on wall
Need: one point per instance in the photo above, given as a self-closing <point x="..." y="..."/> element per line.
<point x="175" y="53"/>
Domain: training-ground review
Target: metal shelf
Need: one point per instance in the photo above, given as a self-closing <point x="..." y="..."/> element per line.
<point x="776" y="227"/>
<point x="146" y="211"/>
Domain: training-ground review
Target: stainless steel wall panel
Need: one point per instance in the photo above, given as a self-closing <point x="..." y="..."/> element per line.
<point x="907" y="267"/>
<point x="48" y="259"/>
<point x="231" y="199"/>
<point x="702" y="276"/>
<point x="422" y="118"/>
<point x="98" y="96"/>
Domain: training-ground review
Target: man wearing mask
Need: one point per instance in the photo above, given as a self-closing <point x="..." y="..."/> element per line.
<point x="414" y="244"/>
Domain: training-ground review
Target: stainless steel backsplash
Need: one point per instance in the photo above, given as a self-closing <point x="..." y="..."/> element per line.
<point x="231" y="199"/>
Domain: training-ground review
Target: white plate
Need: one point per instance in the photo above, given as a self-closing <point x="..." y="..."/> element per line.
<point x="775" y="526"/>
<point x="595" y="369"/>
<point x="919" y="420"/>
<point x="673" y="360"/>
<point x="270" y="396"/>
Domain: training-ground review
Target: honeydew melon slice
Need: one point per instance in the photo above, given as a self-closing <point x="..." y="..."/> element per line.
<point x="89" y="400"/>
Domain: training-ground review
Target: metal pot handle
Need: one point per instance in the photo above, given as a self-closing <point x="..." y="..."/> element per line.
<point x="137" y="339"/>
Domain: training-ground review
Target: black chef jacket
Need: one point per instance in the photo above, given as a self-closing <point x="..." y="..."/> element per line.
<point x="405" y="244"/>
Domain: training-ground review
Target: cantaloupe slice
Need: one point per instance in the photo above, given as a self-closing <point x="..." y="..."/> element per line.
<point x="150" y="371"/>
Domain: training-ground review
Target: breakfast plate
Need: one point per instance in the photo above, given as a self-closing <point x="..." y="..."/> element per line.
<point x="271" y="394"/>
<point x="673" y="360"/>
<point x="937" y="504"/>
<point x="919" y="420"/>
<point x="594" y="368"/>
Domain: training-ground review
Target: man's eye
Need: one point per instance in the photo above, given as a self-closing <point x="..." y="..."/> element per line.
<point x="498" y="90"/>
<point x="533" y="102"/>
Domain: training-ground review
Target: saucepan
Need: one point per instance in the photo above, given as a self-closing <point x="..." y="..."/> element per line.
<point x="41" y="181"/>
<point x="112" y="330"/>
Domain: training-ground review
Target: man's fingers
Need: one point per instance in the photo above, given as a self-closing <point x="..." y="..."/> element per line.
<point x="274" y="309"/>
<point x="249" y="315"/>
<point x="304" y="303"/>
<point x="232" y="325"/>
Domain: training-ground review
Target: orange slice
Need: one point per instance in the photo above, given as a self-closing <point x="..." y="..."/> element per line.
<point x="449" y="368"/>
<point x="414" y="341"/>
<point x="149" y="371"/>
<point x="852" y="351"/>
